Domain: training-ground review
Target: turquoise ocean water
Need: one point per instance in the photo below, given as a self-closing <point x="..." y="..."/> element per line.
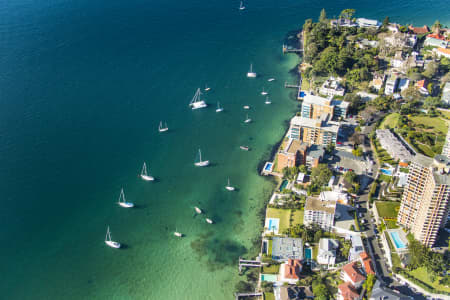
<point x="83" y="86"/>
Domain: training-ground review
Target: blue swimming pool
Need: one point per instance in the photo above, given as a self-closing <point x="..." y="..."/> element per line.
<point x="283" y="185"/>
<point x="397" y="241"/>
<point x="308" y="253"/>
<point x="268" y="167"/>
<point x="273" y="224"/>
<point x="269" y="277"/>
<point x="387" y="172"/>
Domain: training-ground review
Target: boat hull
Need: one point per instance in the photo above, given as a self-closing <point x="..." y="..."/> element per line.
<point x="163" y="129"/>
<point x="178" y="234"/>
<point x="198" y="210"/>
<point x="248" y="121"/>
<point x="251" y="75"/>
<point x="202" y="164"/>
<point x="126" y="204"/>
<point x="264" y="93"/>
<point x="246" y="107"/>
<point x="112" y="244"/>
<point x="244" y="148"/>
<point x="147" y="178"/>
<point x="219" y="109"/>
<point x="199" y="104"/>
<point x="230" y="188"/>
<point x="209" y="221"/>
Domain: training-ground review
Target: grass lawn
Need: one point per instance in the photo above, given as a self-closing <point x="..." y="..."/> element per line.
<point x="272" y="269"/>
<point x="391" y="224"/>
<point x="282" y="214"/>
<point x="385" y="178"/>
<point x="391" y="121"/>
<point x="426" y="150"/>
<point x="285" y="215"/>
<point x="445" y="113"/>
<point x="270" y="248"/>
<point x="387" y="209"/>
<point x="422" y="274"/>
<point x="315" y="251"/>
<point x="269" y="296"/>
<point x="435" y="122"/>
<point x="298" y="217"/>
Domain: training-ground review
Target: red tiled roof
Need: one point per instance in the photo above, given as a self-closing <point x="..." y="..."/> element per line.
<point x="367" y="263"/>
<point x="436" y="36"/>
<point x="403" y="164"/>
<point x="347" y="291"/>
<point x="419" y="30"/>
<point x="353" y="273"/>
<point x="421" y="83"/>
<point x="292" y="268"/>
<point x="443" y="50"/>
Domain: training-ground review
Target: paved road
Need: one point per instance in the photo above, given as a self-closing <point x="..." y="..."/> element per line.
<point x="372" y="242"/>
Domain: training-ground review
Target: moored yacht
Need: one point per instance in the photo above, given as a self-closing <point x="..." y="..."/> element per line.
<point x="196" y="101"/>
<point x="123" y="202"/>
<point x="144" y="174"/>
<point x="250" y="73"/>
<point x="109" y="241"/>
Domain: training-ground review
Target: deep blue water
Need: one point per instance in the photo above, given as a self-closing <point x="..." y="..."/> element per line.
<point x="83" y="86"/>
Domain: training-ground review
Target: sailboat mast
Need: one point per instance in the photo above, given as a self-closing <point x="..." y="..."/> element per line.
<point x="200" y="154"/>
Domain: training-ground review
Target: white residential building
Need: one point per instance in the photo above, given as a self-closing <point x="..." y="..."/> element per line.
<point x="446" y="93"/>
<point x="332" y="87"/>
<point x="327" y="251"/>
<point x="338" y="196"/>
<point x="363" y="22"/>
<point x="319" y="212"/>
<point x="391" y="85"/>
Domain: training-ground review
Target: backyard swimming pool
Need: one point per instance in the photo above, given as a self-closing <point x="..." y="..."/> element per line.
<point x="269" y="277"/>
<point x="308" y="253"/>
<point x="283" y="185"/>
<point x="272" y="225"/>
<point x="387" y="172"/>
<point x="268" y="167"/>
<point x="397" y="240"/>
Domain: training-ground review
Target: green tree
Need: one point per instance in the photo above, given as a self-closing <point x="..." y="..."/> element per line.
<point x="431" y="70"/>
<point x="431" y="102"/>
<point x="347" y="13"/>
<point x="368" y="284"/>
<point x="350" y="177"/>
<point x="436" y="26"/>
<point x="323" y="16"/>
<point x="358" y="152"/>
<point x="320" y="290"/>
<point x="321" y="174"/>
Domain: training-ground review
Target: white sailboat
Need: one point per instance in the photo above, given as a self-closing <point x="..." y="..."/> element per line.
<point x="241" y="6"/>
<point x="264" y="92"/>
<point x="229" y="187"/>
<point x="162" y="128"/>
<point x="201" y="163"/>
<point x="144" y="174"/>
<point x="247" y="120"/>
<point x="196" y="101"/>
<point x="209" y="221"/>
<point x="123" y="202"/>
<point x="207" y="88"/>
<point x="251" y="74"/>
<point x="270" y="79"/>
<point x="246" y="107"/>
<point x="177" y="233"/>
<point x="219" y="109"/>
<point x="268" y="101"/>
<point x="246" y="148"/>
<point x="197" y="210"/>
<point x="110" y="242"/>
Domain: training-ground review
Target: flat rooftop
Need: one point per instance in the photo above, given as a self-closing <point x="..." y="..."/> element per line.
<point x="315" y="204"/>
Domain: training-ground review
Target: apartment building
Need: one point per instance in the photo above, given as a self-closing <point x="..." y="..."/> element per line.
<point x="314" y="107"/>
<point x="292" y="153"/>
<point x="446" y="148"/>
<point x="319" y="212"/>
<point x="314" y="131"/>
<point x="425" y="201"/>
<point x="391" y="85"/>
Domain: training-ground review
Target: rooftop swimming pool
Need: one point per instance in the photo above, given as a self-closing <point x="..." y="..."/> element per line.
<point x="269" y="277"/>
<point x="397" y="240"/>
<point x="284" y="184"/>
